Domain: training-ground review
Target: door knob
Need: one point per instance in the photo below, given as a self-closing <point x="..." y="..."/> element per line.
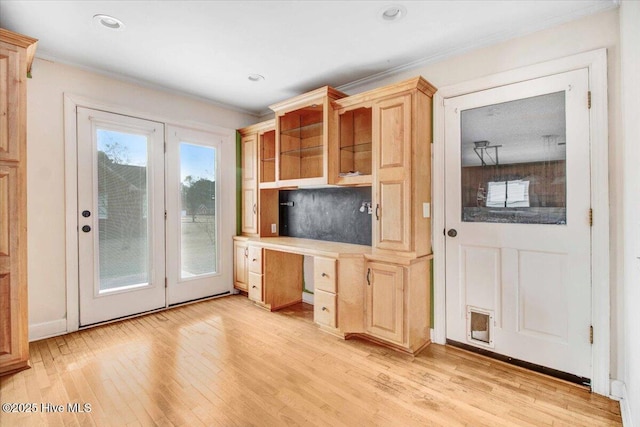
<point x="452" y="232"/>
<point x="86" y="228"/>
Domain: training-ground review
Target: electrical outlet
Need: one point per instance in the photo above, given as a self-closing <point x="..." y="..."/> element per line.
<point x="426" y="210"/>
<point x="273" y="228"/>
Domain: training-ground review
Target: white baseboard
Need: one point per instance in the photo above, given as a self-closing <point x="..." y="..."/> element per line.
<point x="307" y="297"/>
<point x="43" y="330"/>
<point x="619" y="392"/>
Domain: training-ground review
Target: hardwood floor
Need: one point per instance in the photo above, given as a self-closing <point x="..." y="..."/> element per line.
<point x="225" y="362"/>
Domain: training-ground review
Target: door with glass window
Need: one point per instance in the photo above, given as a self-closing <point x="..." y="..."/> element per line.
<point x="195" y="215"/>
<point x="120" y="215"/>
<point x="518" y="269"/>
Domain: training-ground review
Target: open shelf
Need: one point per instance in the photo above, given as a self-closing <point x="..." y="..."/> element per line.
<point x="312" y="129"/>
<point x="304" y="152"/>
<point x="358" y="148"/>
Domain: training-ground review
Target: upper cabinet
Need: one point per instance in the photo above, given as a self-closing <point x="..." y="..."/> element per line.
<point x="351" y="146"/>
<point x="303" y="127"/>
<point x="384" y="140"/>
<point x="255" y="141"/>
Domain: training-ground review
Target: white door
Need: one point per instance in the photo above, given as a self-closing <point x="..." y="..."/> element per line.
<point x="120" y="215"/>
<point x="518" y="279"/>
<point x="198" y="213"/>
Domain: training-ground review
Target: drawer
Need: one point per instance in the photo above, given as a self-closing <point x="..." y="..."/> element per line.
<point x="255" y="287"/>
<point x="255" y="259"/>
<point x="324" y="309"/>
<point x="324" y="274"/>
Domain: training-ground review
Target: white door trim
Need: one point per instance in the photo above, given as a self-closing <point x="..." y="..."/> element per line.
<point x="71" y="102"/>
<point x="596" y="62"/>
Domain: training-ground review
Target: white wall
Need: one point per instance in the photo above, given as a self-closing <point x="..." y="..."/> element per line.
<point x="45" y="174"/>
<point x="593" y="32"/>
<point x="630" y="70"/>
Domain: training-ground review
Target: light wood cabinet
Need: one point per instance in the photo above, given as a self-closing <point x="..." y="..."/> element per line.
<point x="385" y="301"/>
<point x="249" y="184"/>
<point x="397" y="303"/>
<point x="240" y="265"/>
<point x="351" y="149"/>
<point x="303" y="126"/>
<point x="16" y="56"/>
<point x="259" y="204"/>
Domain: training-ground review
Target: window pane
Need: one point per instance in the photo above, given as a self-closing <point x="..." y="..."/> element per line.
<point x="513" y="159"/>
<point x="198" y="239"/>
<point x="122" y="209"/>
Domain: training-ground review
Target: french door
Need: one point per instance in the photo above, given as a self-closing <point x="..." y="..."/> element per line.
<point x="120" y="215"/>
<point x="518" y="266"/>
<point x="196" y="214"/>
<point x="149" y="221"/>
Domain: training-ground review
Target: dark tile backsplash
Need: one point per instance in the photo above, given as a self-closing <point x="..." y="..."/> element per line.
<point x="331" y="214"/>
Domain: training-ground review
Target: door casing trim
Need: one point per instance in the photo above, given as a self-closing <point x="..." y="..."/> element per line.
<point x="596" y="63"/>
<point x="71" y="103"/>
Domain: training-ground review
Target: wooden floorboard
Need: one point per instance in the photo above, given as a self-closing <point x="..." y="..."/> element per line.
<point x="226" y="362"/>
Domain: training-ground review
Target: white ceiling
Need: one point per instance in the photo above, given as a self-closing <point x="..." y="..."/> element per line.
<point x="208" y="48"/>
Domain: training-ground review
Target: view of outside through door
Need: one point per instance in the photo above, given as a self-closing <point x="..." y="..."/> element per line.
<point x="122" y="210"/>
<point x="513" y="157"/>
<point x="198" y="210"/>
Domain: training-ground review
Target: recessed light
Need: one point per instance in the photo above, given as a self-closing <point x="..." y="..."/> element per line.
<point x="255" y="77"/>
<point x="108" y="22"/>
<point x="393" y="12"/>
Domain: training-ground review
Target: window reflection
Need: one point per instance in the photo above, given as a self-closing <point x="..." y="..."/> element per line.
<point x="513" y="158"/>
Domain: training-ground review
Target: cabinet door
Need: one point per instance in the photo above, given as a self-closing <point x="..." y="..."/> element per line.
<point x="240" y="266"/>
<point x="385" y="301"/>
<point x="249" y="184"/>
<point x="392" y="173"/>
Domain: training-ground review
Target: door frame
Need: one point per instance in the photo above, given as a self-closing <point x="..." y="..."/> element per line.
<point x="71" y="102"/>
<point x="596" y="63"/>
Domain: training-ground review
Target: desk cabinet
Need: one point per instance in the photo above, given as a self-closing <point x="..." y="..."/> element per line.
<point x="241" y="265"/>
<point x="385" y="301"/>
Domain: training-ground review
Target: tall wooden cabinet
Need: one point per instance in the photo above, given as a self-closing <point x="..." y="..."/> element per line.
<point x="16" y="56"/>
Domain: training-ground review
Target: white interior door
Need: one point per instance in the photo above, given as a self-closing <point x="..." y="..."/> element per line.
<point x="120" y="215"/>
<point x="518" y="279"/>
<point x="200" y="214"/>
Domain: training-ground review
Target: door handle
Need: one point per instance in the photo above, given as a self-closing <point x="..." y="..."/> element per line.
<point x="86" y="228"/>
<point x="452" y="232"/>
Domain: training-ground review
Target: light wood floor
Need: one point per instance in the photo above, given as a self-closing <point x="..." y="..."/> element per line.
<point x="227" y="363"/>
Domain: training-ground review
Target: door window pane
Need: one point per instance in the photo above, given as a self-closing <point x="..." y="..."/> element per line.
<point x="122" y="209"/>
<point x="513" y="158"/>
<point x="198" y="237"/>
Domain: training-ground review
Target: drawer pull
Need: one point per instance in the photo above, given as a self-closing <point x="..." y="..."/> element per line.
<point x="254" y="260"/>
<point x="324" y="275"/>
<point x="254" y="287"/>
<point x="369" y="276"/>
<point x="324" y="309"/>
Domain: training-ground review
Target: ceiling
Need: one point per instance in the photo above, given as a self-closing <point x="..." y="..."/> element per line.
<point x="208" y="49"/>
